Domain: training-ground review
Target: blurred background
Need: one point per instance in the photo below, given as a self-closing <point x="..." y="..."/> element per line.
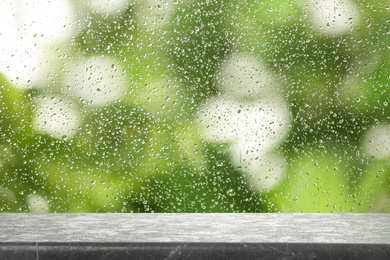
<point x="194" y="106"/>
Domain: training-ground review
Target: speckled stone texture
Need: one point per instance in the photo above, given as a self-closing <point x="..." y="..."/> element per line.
<point x="194" y="236"/>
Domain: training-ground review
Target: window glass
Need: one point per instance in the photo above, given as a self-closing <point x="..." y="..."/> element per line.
<point x="194" y="106"/>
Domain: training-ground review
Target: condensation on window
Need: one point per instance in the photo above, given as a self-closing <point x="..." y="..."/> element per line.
<point x="194" y="106"/>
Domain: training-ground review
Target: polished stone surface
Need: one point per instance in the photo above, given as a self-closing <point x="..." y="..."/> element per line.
<point x="236" y="228"/>
<point x="194" y="236"/>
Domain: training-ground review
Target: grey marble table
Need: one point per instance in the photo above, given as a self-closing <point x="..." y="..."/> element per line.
<point x="194" y="236"/>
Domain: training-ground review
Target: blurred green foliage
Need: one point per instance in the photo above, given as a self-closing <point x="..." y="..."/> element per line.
<point x="144" y="151"/>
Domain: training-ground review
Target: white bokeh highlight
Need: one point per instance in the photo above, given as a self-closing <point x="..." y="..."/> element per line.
<point x="7" y="195"/>
<point x="267" y="173"/>
<point x="252" y="128"/>
<point x="37" y="204"/>
<point x="109" y="7"/>
<point x="376" y="142"/>
<point x="243" y="75"/>
<point x="218" y="121"/>
<point x="333" y="17"/>
<point x="44" y="20"/>
<point x="56" y="117"/>
<point x="260" y="128"/>
<point x="19" y="61"/>
<point x="28" y="28"/>
<point x="96" y="80"/>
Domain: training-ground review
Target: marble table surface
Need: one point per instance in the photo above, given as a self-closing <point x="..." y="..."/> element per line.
<point x="194" y="236"/>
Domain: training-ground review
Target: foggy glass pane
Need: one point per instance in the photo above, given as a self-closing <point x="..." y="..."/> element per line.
<point x="194" y="106"/>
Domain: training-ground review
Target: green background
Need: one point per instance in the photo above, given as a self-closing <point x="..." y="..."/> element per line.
<point x="144" y="152"/>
